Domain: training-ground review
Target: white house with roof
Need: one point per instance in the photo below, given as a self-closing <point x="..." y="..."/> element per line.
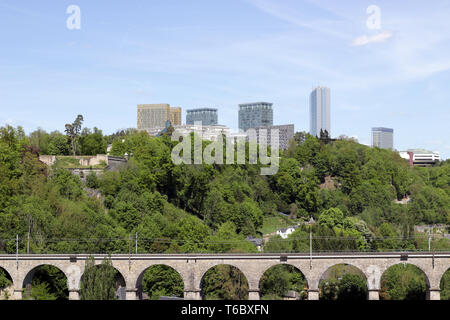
<point x="285" y="232"/>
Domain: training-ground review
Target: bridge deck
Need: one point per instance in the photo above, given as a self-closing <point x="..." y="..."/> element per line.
<point x="200" y="256"/>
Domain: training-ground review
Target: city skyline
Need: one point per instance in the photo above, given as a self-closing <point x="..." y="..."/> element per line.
<point x="273" y="51"/>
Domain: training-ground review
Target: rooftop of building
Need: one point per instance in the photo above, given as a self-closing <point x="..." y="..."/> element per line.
<point x="319" y="87"/>
<point x="255" y="104"/>
<point x="154" y="105"/>
<point x="201" y="110"/>
<point x="255" y="241"/>
<point x="421" y="151"/>
<point x="382" y="129"/>
<point x="275" y="126"/>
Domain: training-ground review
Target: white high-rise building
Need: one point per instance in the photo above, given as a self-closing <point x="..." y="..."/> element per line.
<point x="319" y="108"/>
<point x="383" y="138"/>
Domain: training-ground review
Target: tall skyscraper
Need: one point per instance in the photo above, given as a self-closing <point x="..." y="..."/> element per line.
<point x="319" y="108"/>
<point x="253" y="115"/>
<point x="207" y="116"/>
<point x="383" y="138"/>
<point x="155" y="115"/>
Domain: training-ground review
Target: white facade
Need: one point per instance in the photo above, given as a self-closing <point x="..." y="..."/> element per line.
<point x="420" y="156"/>
<point x="427" y="157"/>
<point x="319" y="108"/>
<point x="209" y="133"/>
<point x="285" y="232"/>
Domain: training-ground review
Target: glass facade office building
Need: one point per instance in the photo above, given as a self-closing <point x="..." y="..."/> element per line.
<point x="207" y="116"/>
<point x="155" y="115"/>
<point x="253" y="115"/>
<point x="383" y="138"/>
<point x="319" y="104"/>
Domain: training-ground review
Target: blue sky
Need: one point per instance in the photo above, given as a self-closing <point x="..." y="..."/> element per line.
<point x="207" y="53"/>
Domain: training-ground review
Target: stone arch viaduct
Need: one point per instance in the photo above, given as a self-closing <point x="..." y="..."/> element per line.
<point x="192" y="268"/>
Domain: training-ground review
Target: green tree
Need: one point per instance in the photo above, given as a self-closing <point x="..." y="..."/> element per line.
<point x="224" y="282"/>
<point x="39" y="291"/>
<point x="50" y="280"/>
<point x="278" y="244"/>
<point x="403" y="282"/>
<point x="92" y="143"/>
<point x="352" y="287"/>
<point x="98" y="282"/>
<point x="40" y="140"/>
<point x="278" y="280"/>
<point x="5" y="280"/>
<point x="226" y="239"/>
<point x="162" y="280"/>
<point x="343" y="282"/>
<point x="67" y="184"/>
<point x="92" y="181"/>
<point x="444" y="285"/>
<point x="73" y="132"/>
<point x="58" y="144"/>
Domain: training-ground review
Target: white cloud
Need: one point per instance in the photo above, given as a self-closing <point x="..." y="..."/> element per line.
<point x="364" y="40"/>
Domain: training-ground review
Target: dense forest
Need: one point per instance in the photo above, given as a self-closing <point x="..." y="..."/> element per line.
<point x="347" y="188"/>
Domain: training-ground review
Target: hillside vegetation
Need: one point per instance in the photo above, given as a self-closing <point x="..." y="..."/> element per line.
<point x="192" y="208"/>
<point x="214" y="208"/>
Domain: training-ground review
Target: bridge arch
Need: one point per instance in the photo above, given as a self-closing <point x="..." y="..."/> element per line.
<point x="51" y="272"/>
<point x="120" y="281"/>
<point x="346" y="268"/>
<point x="295" y="265"/>
<point x="418" y="266"/>
<point x="231" y="270"/>
<point x="6" y="272"/>
<point x="301" y="287"/>
<point x="6" y="283"/>
<point x="163" y="270"/>
<point x="444" y="285"/>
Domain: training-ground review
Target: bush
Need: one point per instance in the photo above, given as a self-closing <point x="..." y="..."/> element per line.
<point x="92" y="181"/>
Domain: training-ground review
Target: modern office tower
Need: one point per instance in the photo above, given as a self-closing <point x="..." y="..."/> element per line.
<point x="264" y="135"/>
<point x="319" y="108"/>
<point x="383" y="138"/>
<point x="253" y="115"/>
<point x="155" y="116"/>
<point x="207" y="116"/>
<point x="175" y="116"/>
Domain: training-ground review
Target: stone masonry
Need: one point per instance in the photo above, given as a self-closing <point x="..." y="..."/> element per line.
<point x="192" y="268"/>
